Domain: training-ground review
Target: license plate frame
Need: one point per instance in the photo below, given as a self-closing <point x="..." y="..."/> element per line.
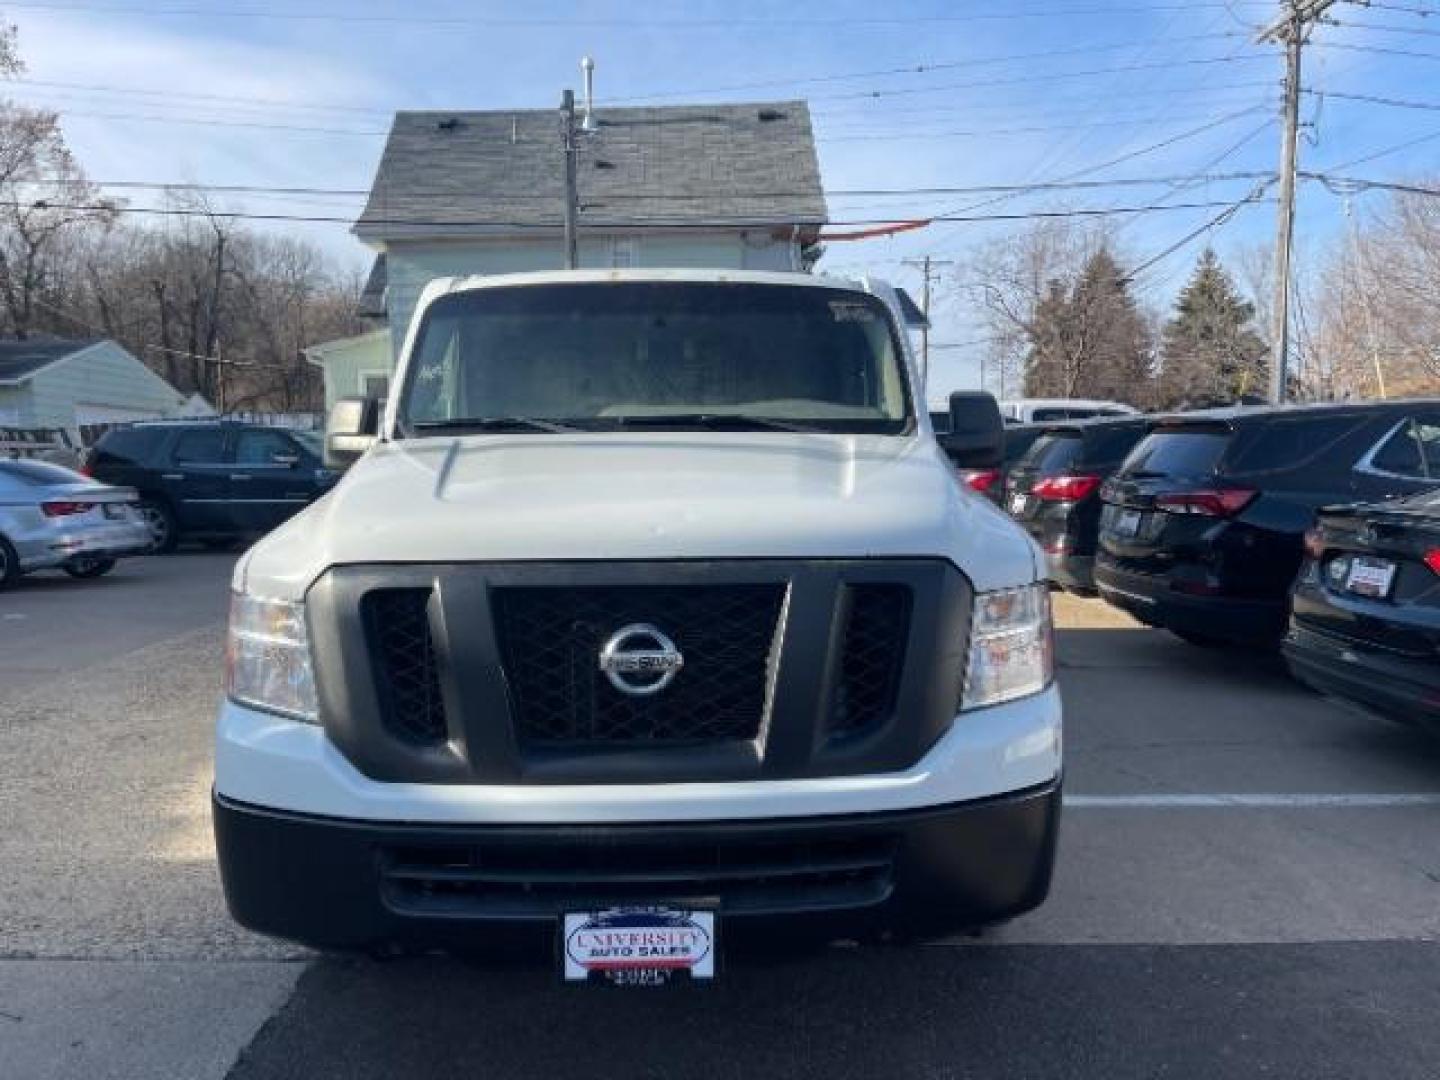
<point x="1370" y="576"/>
<point x="639" y="945"/>
<point x="115" y="512"/>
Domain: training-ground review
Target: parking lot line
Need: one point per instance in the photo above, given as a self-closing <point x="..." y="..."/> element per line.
<point x="1249" y="801"/>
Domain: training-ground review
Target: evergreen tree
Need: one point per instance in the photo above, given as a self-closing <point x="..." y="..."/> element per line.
<point x="1210" y="352"/>
<point x="1090" y="340"/>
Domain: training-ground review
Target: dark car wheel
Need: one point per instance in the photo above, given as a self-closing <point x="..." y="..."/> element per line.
<point x="163" y="530"/>
<point x="88" y="567"/>
<point x="9" y="564"/>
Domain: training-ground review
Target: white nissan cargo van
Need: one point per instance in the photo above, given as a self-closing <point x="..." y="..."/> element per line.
<point x="651" y="611"/>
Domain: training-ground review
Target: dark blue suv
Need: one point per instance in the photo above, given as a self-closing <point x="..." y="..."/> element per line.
<point x="213" y="481"/>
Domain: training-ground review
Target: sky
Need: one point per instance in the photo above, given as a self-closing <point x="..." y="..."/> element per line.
<point x="906" y="95"/>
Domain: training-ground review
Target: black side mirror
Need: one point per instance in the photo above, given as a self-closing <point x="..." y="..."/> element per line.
<point x="976" y="439"/>
<point x="350" y="431"/>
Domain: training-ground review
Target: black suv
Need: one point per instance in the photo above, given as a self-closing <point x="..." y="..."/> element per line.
<point x="1203" y="527"/>
<point x="991" y="482"/>
<point x="212" y="480"/>
<point x="1366" y="622"/>
<point x="1054" y="491"/>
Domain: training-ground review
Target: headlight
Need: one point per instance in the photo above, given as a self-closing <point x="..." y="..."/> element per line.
<point x="1011" y="652"/>
<point x="267" y="657"/>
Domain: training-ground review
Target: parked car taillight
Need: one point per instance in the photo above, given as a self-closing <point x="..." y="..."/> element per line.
<point x="1065" y="488"/>
<point x="1214" y="502"/>
<point x="981" y="480"/>
<point x="64" y="508"/>
<point x="1432" y="559"/>
<point x="1315" y="544"/>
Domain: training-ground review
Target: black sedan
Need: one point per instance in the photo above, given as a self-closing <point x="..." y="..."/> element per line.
<point x="1365" y="621"/>
<point x="1053" y="491"/>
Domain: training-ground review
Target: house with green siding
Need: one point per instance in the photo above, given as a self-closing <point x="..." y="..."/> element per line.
<point x="54" y="383"/>
<point x="456" y="193"/>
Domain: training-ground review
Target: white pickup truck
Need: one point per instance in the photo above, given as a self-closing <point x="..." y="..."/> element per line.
<point x="651" y="608"/>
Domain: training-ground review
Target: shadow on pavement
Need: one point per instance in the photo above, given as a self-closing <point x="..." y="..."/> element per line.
<point x="1061" y="1011"/>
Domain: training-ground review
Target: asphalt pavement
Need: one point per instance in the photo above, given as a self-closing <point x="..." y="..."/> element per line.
<point x="1249" y="883"/>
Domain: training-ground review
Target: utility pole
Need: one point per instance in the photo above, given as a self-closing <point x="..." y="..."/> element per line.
<point x="1291" y="29"/>
<point x="929" y="271"/>
<point x="571" y="146"/>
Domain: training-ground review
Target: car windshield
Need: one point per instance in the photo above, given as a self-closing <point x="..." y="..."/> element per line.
<point x="660" y="355"/>
<point x="40" y="473"/>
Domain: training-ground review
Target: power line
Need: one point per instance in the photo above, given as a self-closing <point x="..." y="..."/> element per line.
<point x="414" y="19"/>
<point x="1219" y="219"/>
<point x="919" y="68"/>
<point x="656" y="222"/>
<point x="523" y="196"/>
<point x="1129" y="155"/>
<point x="1380" y="5"/>
<point x="1377" y="50"/>
<point x="1381" y="28"/>
<point x="1349" y="185"/>
<point x="215" y="122"/>
<point x="1385" y="151"/>
<point x="1373" y="99"/>
<point x="1046" y="77"/>
<point x="993" y="132"/>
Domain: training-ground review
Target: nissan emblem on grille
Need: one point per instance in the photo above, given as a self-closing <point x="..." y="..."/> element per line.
<point x="638" y="659"/>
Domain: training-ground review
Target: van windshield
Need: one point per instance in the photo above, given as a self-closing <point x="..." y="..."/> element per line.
<point x="678" y="356"/>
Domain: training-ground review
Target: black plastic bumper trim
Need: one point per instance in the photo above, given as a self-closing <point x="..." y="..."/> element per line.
<point x="327" y="882"/>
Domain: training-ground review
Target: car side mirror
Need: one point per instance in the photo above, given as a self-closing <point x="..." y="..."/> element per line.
<point x="976" y="439"/>
<point x="350" y="431"/>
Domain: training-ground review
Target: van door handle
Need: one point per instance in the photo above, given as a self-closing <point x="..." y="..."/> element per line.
<point x="240" y="476"/>
<point x="172" y="476"/>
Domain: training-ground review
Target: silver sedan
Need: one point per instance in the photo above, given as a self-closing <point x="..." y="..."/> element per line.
<point x="51" y="516"/>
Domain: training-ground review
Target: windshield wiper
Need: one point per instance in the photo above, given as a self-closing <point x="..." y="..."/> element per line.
<point x="716" y="421"/>
<point x="494" y="423"/>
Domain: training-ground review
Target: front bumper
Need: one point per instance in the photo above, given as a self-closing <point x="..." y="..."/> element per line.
<point x="1151" y="599"/>
<point x="339" y="883"/>
<point x="1402" y="687"/>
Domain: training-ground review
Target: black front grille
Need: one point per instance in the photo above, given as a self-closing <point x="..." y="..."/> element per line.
<point x="519" y="879"/>
<point x="407" y="679"/>
<point x="550" y="642"/>
<point x="877" y="621"/>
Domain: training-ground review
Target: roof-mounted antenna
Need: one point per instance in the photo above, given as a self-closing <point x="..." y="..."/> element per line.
<point x="587" y="121"/>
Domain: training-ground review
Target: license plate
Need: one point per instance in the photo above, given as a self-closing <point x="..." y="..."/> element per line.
<point x="1370" y="576"/>
<point x="117" y="512"/>
<point x="638" y="946"/>
<point x="1017" y="503"/>
<point x="1127" y="523"/>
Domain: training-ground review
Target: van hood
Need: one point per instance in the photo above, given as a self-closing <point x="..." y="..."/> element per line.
<point x="662" y="495"/>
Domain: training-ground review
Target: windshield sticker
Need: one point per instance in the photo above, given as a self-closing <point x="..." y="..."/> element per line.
<point x="848" y="311"/>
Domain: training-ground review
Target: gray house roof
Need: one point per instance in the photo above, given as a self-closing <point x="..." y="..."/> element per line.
<point x="372" y="296"/>
<point x="462" y="173"/>
<point x="21" y="359"/>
